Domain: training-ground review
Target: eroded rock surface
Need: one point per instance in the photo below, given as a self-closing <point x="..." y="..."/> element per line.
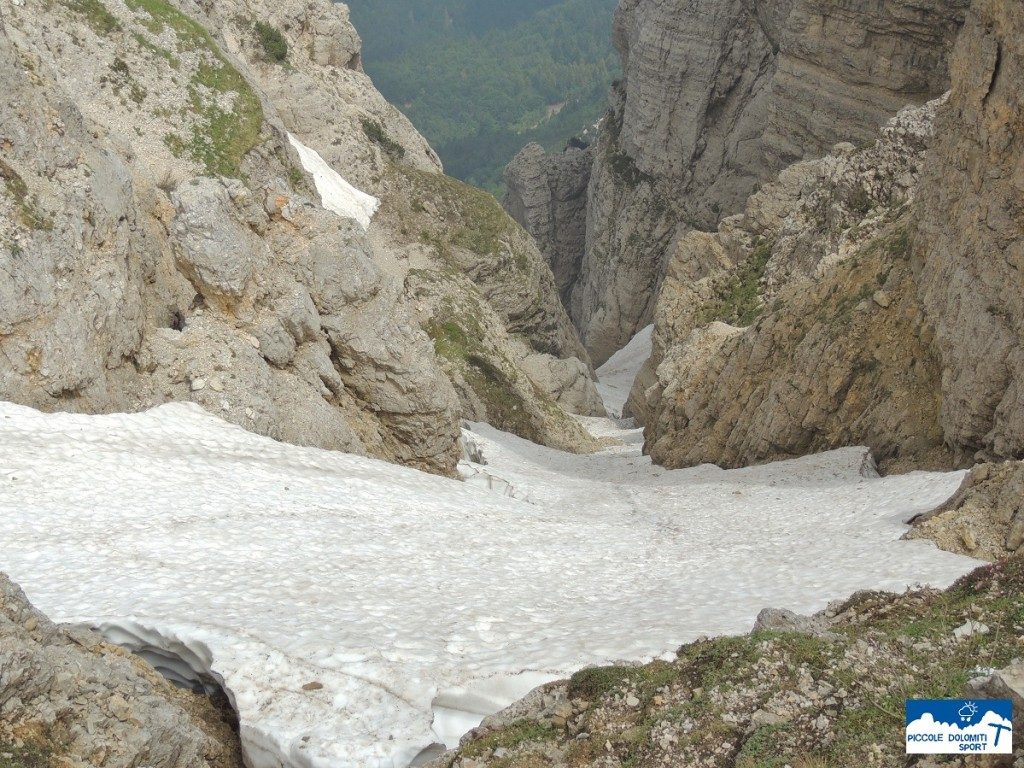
<point x="67" y="696"/>
<point x="716" y="98"/>
<point x="164" y="241"/>
<point x="797" y="327"/>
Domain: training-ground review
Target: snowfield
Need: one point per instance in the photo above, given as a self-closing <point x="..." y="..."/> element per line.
<point x="336" y="194"/>
<point x="413" y="603"/>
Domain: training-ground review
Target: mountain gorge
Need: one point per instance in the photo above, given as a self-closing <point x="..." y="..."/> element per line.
<point x="380" y="472"/>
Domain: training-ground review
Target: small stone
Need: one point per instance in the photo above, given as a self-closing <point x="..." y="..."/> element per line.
<point x="32" y="624"/>
<point x="969" y="629"/>
<point x="216" y="385"/>
<point x="968" y="538"/>
<point x="632" y="701"/>
<point x="198" y="385"/>
<point x="314" y="686"/>
<point x="881" y="298"/>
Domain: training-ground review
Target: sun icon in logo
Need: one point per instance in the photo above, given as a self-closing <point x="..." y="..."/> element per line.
<point x="968" y="711"/>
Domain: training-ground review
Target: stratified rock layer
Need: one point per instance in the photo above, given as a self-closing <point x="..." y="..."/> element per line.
<point x="797" y="326"/>
<point x="971" y="237"/>
<point x="717" y="97"/>
<point x="883" y="307"/>
<point x="547" y="195"/>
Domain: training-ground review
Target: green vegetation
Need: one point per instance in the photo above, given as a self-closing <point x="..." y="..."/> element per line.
<point x="27" y="756"/>
<point x="272" y="42"/>
<point x="518" y="733"/>
<point x="221" y="137"/>
<point x="96" y="15"/>
<point x="593" y="682"/>
<point x="29" y="213"/>
<point x="473" y="219"/>
<point x="482" y="78"/>
<point x="376" y="133"/>
<point x="457" y="338"/>
<point x="739" y="299"/>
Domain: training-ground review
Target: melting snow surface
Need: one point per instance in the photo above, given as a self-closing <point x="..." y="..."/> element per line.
<point x="615" y="377"/>
<point x="418" y="603"/>
<point x="336" y="194"/>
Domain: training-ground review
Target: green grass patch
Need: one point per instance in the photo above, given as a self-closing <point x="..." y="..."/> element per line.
<point x="738" y="301"/>
<point x="376" y="133"/>
<point x="761" y="749"/>
<point x="594" y="682"/>
<point x="474" y="219"/>
<point x="221" y="137"/>
<point x="95" y="14"/>
<point x="27" y="756"/>
<point x="518" y="733"/>
<point x="271" y="42"/>
<point x="29" y="213"/>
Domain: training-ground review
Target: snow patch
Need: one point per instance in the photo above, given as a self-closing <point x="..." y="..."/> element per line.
<point x="336" y="194"/>
<point x="616" y="376"/>
<point x="416" y="603"/>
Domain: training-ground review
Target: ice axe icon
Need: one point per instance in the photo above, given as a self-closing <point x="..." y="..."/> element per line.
<point x="999" y="732"/>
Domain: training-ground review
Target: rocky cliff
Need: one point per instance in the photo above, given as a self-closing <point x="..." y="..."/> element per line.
<point x="68" y="698"/>
<point x="716" y="98"/>
<point x="871" y="297"/>
<point x="163" y="170"/>
<point x="797" y="327"/>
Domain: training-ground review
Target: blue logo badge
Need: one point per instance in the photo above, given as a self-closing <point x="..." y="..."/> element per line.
<point x="959" y="726"/>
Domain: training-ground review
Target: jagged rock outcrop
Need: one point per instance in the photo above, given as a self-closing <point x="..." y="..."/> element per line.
<point x="985" y="519"/>
<point x="547" y="195"/>
<point x="890" y="294"/>
<point x="164" y="241"/>
<point x="69" y="698"/>
<point x="797" y="326"/>
<point x="717" y="97"/>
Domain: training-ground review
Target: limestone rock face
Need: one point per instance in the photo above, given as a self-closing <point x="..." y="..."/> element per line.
<point x="797" y="326"/>
<point x="985" y="519"/>
<point x="845" y="68"/>
<point x="164" y="242"/>
<point x="67" y="695"/>
<point x="547" y="195"/>
<point x="971" y="237"/>
<point x="717" y="97"/>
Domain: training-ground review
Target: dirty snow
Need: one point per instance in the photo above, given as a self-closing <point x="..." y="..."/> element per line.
<point x="615" y="377"/>
<point x="336" y="194"/>
<point x="421" y="604"/>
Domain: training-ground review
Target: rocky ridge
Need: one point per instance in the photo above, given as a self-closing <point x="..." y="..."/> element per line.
<point x="796" y="327"/>
<point x="749" y="89"/>
<point x="856" y="303"/>
<point x="69" y="698"/>
<point x="165" y="242"/>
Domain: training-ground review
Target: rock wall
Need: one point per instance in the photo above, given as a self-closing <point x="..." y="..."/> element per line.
<point x="923" y="362"/>
<point x="68" y="698"/>
<point x="718" y="97"/>
<point x="164" y="241"/>
<point x="797" y="326"/>
<point x="547" y="195"/>
<point x="970" y="244"/>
